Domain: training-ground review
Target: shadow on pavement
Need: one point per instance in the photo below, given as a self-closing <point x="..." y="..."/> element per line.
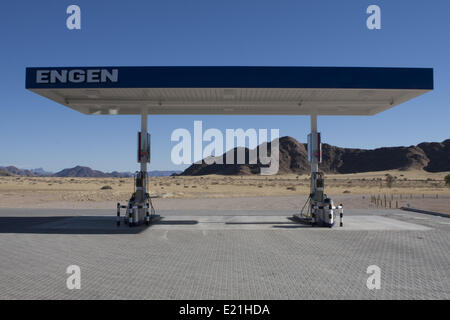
<point x="75" y="225"/>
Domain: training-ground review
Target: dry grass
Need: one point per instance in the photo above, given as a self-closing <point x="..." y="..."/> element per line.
<point x="87" y="192"/>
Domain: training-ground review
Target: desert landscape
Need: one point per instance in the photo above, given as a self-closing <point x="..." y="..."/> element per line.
<point x="416" y="188"/>
<point x="390" y="177"/>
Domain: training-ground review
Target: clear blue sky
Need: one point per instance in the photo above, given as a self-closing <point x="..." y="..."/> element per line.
<point x="36" y="132"/>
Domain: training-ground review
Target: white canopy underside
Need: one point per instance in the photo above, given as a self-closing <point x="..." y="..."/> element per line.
<point x="232" y="101"/>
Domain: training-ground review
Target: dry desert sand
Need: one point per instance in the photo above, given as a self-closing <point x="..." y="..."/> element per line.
<point x="419" y="189"/>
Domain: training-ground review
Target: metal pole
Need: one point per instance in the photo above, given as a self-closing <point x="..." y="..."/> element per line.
<point x="314" y="168"/>
<point x="313" y="117"/>
<point x="313" y="123"/>
<point x="144" y="121"/>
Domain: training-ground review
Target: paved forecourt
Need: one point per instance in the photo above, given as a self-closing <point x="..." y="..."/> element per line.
<point x="234" y="254"/>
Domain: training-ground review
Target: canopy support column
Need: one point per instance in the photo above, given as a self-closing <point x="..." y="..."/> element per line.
<point x="144" y="125"/>
<point x="321" y="211"/>
<point x="140" y="209"/>
<point x="314" y="162"/>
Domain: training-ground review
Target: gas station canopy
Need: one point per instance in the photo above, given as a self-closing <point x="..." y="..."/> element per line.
<point x="230" y="90"/>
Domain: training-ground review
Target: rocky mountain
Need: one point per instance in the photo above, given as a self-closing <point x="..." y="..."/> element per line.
<point x="293" y="158"/>
<point x="5" y="173"/>
<point x="11" y="170"/>
<point x="438" y="154"/>
<point x="78" y="171"/>
<point x="162" y="173"/>
<point x="41" y="172"/>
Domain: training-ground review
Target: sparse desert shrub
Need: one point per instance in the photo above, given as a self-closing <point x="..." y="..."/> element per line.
<point x="5" y="173"/>
<point x="106" y="188"/>
<point x="447" y="180"/>
<point x="389" y="180"/>
<point x="346" y="191"/>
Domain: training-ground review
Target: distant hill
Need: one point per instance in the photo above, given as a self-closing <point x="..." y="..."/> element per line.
<point x="429" y="156"/>
<point x="78" y="171"/>
<point x="162" y="173"/>
<point x="5" y="173"/>
<point x="41" y="172"/>
<point x="11" y="170"/>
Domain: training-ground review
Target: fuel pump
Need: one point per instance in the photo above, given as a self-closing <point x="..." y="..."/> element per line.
<point x="140" y="209"/>
<point x="321" y="210"/>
